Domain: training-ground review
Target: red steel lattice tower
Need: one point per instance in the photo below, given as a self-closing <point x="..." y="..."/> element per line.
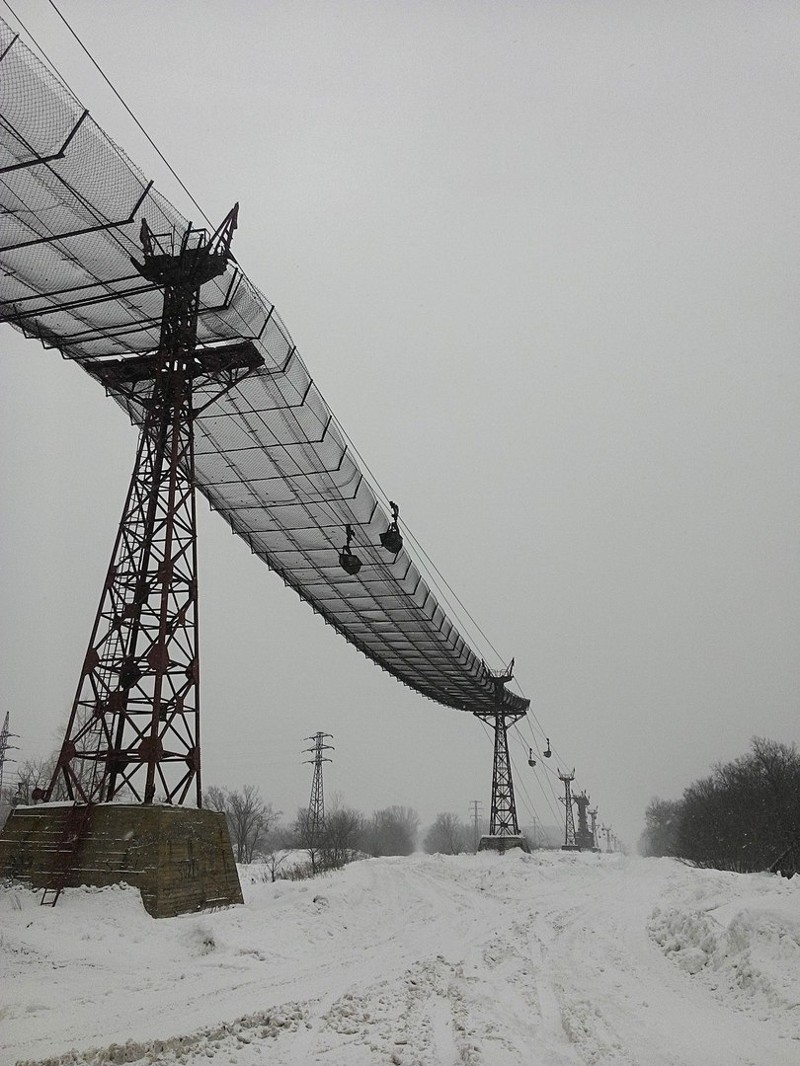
<point x="134" y="725"/>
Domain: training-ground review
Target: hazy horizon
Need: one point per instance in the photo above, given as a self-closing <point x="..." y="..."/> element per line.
<point x="542" y="262"/>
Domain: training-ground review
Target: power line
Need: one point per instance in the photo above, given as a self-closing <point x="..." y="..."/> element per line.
<point x="442" y="585"/>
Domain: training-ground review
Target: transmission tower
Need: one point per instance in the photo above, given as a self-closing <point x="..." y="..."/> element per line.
<point x="503" y="827"/>
<point x="134" y="723"/>
<point x="475" y="805"/>
<point x="570" y="844"/>
<point x="5" y="746"/>
<point x="315" y="816"/>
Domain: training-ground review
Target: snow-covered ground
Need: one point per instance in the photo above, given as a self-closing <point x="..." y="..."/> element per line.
<point x="548" y="960"/>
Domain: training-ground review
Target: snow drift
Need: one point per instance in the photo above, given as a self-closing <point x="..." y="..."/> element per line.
<point x="549" y="959"/>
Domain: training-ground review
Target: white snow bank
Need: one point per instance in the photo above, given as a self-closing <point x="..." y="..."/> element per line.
<point x="747" y="950"/>
<point x="551" y="959"/>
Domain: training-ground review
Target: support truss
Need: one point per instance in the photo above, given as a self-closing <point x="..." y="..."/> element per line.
<point x="570" y="842"/>
<point x="503" y="816"/>
<point x="134" y="726"/>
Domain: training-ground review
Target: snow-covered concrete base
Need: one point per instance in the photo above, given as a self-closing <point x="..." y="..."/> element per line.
<point x="179" y="857"/>
<point x="501" y="844"/>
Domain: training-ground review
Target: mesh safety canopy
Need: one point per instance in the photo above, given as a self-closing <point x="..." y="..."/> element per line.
<point x="269" y="455"/>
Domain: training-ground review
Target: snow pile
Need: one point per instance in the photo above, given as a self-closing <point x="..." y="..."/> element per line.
<point x="552" y="959"/>
<point x="747" y="952"/>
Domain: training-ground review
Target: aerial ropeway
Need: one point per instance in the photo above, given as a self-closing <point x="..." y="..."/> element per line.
<point x="269" y="454"/>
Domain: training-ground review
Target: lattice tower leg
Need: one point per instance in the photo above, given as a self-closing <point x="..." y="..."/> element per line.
<point x="503" y="818"/>
<point x="316" y="807"/>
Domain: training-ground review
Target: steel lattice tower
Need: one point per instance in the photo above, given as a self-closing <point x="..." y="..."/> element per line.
<point x="5" y="736"/>
<point x="315" y="817"/>
<point x="569" y="831"/>
<point x="503" y="815"/>
<point x="134" y="724"/>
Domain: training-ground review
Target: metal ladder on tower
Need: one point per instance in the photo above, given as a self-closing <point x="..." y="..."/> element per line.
<point x="77" y="820"/>
<point x="72" y="833"/>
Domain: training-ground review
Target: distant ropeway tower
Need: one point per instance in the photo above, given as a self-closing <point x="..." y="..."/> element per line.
<point x="503" y="826"/>
<point x="570" y="842"/>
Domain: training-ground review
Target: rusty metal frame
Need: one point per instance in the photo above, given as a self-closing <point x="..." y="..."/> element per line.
<point x="133" y="731"/>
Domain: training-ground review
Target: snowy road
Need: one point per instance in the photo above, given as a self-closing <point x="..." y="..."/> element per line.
<point x="549" y="960"/>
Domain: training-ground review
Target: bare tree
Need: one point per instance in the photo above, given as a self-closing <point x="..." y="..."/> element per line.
<point x="308" y="837"/>
<point x="6" y="803"/>
<point x="344" y="829"/>
<point x="391" y="831"/>
<point x="249" y="818"/>
<point x="338" y="842"/>
<point x="33" y="775"/>
<point x="448" y="836"/>
<point x="746" y="813"/>
<point x="273" y="861"/>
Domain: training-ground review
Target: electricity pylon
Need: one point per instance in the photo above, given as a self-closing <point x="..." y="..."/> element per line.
<point x="476" y="806"/>
<point x="315" y="816"/>
<point x="5" y="736"/>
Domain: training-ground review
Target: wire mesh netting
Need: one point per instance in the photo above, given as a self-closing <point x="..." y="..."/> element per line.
<point x="269" y="455"/>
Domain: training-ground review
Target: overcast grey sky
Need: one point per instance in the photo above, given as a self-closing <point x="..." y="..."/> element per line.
<point x="542" y="260"/>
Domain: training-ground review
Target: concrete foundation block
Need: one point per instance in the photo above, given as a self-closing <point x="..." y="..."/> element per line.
<point x="180" y="858"/>
<point x="504" y="843"/>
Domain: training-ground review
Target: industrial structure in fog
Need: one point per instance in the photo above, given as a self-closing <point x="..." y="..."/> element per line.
<point x="97" y="264"/>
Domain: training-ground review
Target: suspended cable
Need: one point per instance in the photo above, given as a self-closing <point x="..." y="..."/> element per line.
<point x="442" y="584"/>
<point x="149" y="139"/>
<point x="528" y="799"/>
<point x="40" y="50"/>
<point x="520" y="781"/>
<point x="549" y="771"/>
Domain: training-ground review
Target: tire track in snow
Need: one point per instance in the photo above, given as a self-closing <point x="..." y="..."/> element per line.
<point x="605" y="971"/>
<point x="474" y="961"/>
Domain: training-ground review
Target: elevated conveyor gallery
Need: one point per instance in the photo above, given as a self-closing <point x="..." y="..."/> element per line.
<point x="270" y="456"/>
